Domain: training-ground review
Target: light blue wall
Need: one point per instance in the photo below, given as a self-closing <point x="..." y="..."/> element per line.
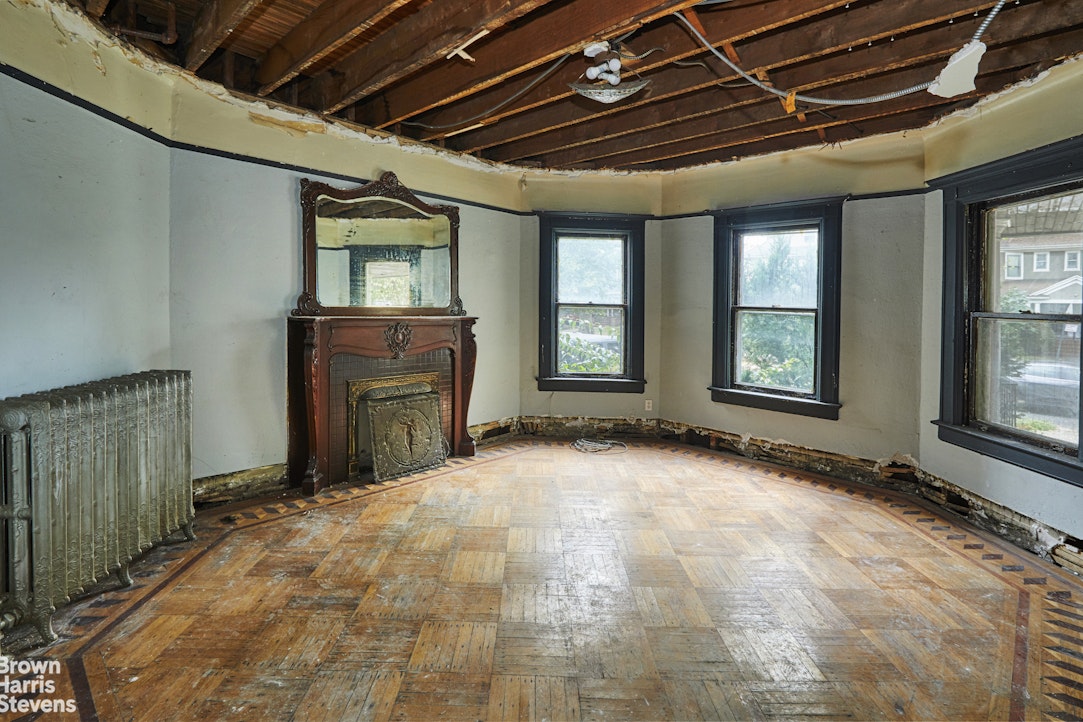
<point x="235" y="268"/>
<point x="84" y="245"/>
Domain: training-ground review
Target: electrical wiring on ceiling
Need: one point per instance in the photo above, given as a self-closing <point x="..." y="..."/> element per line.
<point x="794" y="96"/>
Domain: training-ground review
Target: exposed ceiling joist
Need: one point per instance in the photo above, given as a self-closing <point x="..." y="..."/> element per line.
<point x="492" y="77"/>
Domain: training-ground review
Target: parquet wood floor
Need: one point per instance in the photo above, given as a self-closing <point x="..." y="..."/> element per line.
<point x="536" y="582"/>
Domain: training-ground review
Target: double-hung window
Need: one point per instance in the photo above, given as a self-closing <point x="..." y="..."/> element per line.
<point x="776" y="317"/>
<point x="1010" y="371"/>
<point x="590" y="335"/>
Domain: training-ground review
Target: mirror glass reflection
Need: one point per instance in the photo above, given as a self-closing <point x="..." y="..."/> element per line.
<point x="381" y="252"/>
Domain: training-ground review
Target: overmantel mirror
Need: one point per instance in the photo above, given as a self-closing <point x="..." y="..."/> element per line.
<point x="377" y="250"/>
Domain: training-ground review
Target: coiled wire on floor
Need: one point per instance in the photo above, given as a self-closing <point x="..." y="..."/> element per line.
<point x="595" y="446"/>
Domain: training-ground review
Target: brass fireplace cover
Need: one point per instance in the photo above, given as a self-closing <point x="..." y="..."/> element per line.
<point x="406" y="434"/>
<point x="359" y="452"/>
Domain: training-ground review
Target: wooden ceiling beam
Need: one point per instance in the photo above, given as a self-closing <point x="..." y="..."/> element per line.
<point x="912" y="49"/>
<point x="672" y="85"/>
<point x="807" y="137"/>
<point x="564" y="29"/>
<point x="999" y="65"/>
<point x="781" y="127"/>
<point x="768" y="53"/>
<point x="96" y="8"/>
<point x="329" y="27"/>
<point x="736" y="21"/>
<point x="215" y="22"/>
<point x="427" y="37"/>
<point x="764" y="120"/>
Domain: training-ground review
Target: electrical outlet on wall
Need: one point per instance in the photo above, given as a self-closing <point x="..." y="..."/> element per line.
<point x="648" y="405"/>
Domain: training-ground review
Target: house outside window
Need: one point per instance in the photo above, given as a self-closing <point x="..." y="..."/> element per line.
<point x="1011" y="362"/>
<point x="777" y="307"/>
<point x="591" y="303"/>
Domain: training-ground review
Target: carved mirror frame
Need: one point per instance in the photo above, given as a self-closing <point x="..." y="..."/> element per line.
<point x="386" y="186"/>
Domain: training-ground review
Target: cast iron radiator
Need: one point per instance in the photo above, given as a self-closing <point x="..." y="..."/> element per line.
<point x="91" y="477"/>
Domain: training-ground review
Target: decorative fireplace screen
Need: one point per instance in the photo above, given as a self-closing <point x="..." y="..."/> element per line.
<point x="405" y="433"/>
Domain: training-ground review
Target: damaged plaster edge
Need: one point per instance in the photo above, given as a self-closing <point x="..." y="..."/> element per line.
<point x="239" y="485"/>
<point x="899" y="473"/>
<point x="76" y="27"/>
<point x="1004" y="94"/>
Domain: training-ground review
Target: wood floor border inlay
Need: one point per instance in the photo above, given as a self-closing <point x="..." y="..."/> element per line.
<point x="533" y="581"/>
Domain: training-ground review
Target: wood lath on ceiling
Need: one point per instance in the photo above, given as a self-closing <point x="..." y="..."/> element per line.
<point x="492" y="77"/>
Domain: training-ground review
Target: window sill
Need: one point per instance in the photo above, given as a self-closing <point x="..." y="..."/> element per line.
<point x="591" y="383"/>
<point x="771" y="402"/>
<point x="1049" y="463"/>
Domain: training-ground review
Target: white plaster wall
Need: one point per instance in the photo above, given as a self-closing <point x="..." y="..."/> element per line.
<point x="235" y="264"/>
<point x="686" y="308"/>
<point x="84" y="244"/>
<point x="489" y="257"/>
<point x="880" y="164"/>
<point x="878" y="371"/>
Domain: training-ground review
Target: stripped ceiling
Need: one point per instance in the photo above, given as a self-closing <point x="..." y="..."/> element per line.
<point x="493" y="78"/>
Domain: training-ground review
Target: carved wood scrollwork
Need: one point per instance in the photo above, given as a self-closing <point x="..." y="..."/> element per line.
<point x="398" y="337"/>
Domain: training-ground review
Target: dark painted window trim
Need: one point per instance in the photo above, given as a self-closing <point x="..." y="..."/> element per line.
<point x="1045" y="168"/>
<point x="633" y="381"/>
<point x="827" y="212"/>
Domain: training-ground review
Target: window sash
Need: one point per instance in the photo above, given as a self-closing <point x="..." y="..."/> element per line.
<point x="588" y="351"/>
<point x="1018" y="386"/>
<point x="967" y="196"/>
<point x="816" y="398"/>
<point x="566" y="298"/>
<point x="600" y="347"/>
<point x="761" y="369"/>
<point x="739" y="280"/>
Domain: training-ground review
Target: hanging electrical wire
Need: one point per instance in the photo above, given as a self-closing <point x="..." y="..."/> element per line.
<point x="693" y="63"/>
<point x="792" y="96"/>
<point x="515" y="96"/>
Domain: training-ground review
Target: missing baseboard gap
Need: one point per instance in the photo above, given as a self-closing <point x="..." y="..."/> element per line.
<point x="1067" y="554"/>
<point x="898" y="473"/>
<point x="239" y="485"/>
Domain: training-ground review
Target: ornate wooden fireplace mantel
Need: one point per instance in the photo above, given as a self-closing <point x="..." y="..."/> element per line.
<point x="379" y="298"/>
<point x="314" y="341"/>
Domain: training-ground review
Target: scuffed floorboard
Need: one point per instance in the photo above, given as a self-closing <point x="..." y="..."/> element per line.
<point x="534" y="581"/>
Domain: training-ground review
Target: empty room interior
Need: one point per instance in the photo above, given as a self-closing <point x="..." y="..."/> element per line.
<point x="563" y="360"/>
